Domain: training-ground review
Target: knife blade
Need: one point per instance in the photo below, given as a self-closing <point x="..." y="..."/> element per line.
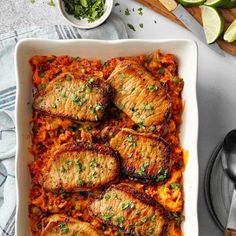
<point x="190" y="22"/>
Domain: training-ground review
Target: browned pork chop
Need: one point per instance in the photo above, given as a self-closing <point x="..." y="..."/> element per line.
<point x="59" y="224"/>
<point x="81" y="167"/>
<point x="139" y="95"/>
<point x="132" y="212"/>
<point x="143" y="156"/>
<point x="76" y="97"/>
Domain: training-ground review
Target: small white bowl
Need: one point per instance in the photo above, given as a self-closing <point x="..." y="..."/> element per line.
<point x="83" y="23"/>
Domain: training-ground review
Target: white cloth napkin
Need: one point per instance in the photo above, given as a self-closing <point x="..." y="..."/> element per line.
<point x="112" y="29"/>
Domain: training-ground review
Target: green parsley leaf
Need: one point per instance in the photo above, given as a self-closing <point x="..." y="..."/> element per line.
<point x="107" y="217"/>
<point x="51" y="3"/>
<point x="141" y="25"/>
<point x="131" y="27"/>
<point x="140" y="11"/>
<point x="162" y="71"/>
<point x="127" y="13"/>
<point x="175" y="185"/>
<point x="117" y="4"/>
<point x="152" y="87"/>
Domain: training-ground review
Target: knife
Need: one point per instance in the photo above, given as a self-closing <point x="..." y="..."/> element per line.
<point x="189" y="21"/>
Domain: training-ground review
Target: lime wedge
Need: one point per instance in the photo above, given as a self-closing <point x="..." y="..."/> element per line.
<point x="216" y="3"/>
<point x="230" y="4"/>
<point x="213" y="23"/>
<point x="191" y="3"/>
<point x="230" y="34"/>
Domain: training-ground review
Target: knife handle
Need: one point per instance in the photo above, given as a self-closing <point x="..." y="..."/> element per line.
<point x="170" y="5"/>
<point x="230" y="232"/>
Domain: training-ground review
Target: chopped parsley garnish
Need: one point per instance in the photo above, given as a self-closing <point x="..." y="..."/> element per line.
<point x="80" y="181"/>
<point x="152" y="128"/>
<point x="68" y="78"/>
<point x="107" y="217"/>
<point x="51" y="3"/>
<point x="122" y="75"/>
<point x="132" y="89"/>
<point x="127" y="13"/>
<point x="141" y="25"/>
<point x="130" y="155"/>
<point x="108" y="208"/>
<point x="140" y="123"/>
<point x="69" y="162"/>
<point x="117" y="4"/>
<point x="107" y="197"/>
<point x="43" y="86"/>
<point x="127" y="205"/>
<point x="121" y="105"/>
<point x="98" y="107"/>
<point x="148" y="107"/>
<point x="162" y="71"/>
<point x="78" y="100"/>
<point x="130" y="139"/>
<point x="162" y="175"/>
<point x="93" y="163"/>
<point x="62" y="169"/>
<point x="119" y="219"/>
<point x="63" y="94"/>
<point x="54" y="229"/>
<point x="41" y="75"/>
<point x="142" y="170"/>
<point x="144" y="219"/>
<point x="63" y="227"/>
<point x="140" y="11"/>
<point x="175" y="185"/>
<point x="150" y="231"/>
<point x="152" y="87"/>
<point x="131" y="27"/>
<point x="92" y="10"/>
<point x="153" y="217"/>
<point x="178" y="217"/>
<point x="94" y="173"/>
<point x="177" y="80"/>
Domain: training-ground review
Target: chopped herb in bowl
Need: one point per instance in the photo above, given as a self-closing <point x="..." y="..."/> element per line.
<point x="89" y="9"/>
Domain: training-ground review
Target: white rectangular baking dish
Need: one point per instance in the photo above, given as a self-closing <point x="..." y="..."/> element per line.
<point x="186" y="53"/>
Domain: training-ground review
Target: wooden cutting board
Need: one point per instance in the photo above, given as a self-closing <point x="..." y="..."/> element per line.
<point x="229" y="16"/>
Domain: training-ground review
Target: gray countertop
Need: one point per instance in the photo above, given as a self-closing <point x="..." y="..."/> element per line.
<point x="216" y="75"/>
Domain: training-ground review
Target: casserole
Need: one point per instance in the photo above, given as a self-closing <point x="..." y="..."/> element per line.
<point x="186" y="53"/>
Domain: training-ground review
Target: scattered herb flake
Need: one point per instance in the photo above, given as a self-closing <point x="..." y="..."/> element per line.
<point x="141" y="25"/>
<point x="62" y="169"/>
<point x="80" y="181"/>
<point x="162" y="175"/>
<point x="131" y="27"/>
<point x="162" y="71"/>
<point x="51" y="3"/>
<point x="107" y="217"/>
<point x="140" y="11"/>
<point x="41" y="75"/>
<point x="175" y="185"/>
<point x="122" y="75"/>
<point x="93" y="163"/>
<point x="117" y="4"/>
<point x="107" y="197"/>
<point x="68" y="78"/>
<point x="152" y="87"/>
<point x="127" y="205"/>
<point x="127" y="13"/>
<point x="119" y="219"/>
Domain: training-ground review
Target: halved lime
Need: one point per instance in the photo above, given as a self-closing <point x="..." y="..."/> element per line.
<point x="230" y="34"/>
<point x="213" y="23"/>
<point x="216" y="3"/>
<point x="191" y="3"/>
<point x="230" y="4"/>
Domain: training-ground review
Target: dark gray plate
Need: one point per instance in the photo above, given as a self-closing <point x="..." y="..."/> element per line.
<point x="218" y="189"/>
